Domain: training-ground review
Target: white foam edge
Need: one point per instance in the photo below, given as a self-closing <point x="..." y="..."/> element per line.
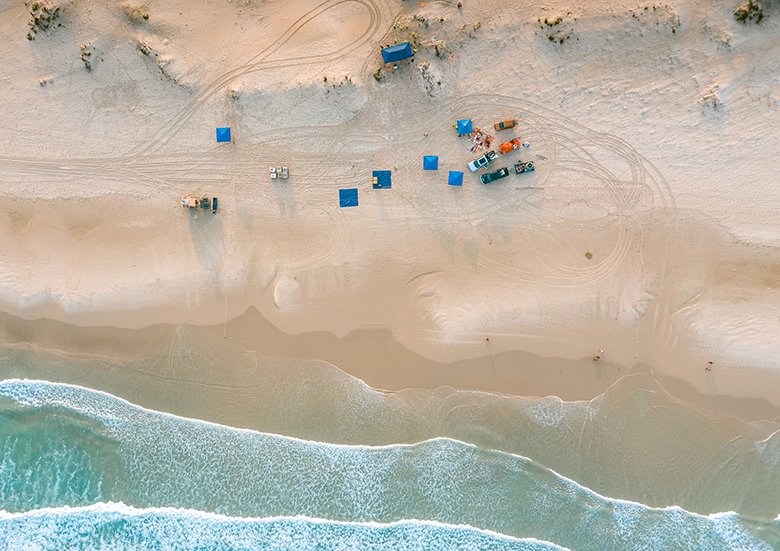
<point x="211" y="424"/>
<point x="625" y="502"/>
<point x="130" y="511"/>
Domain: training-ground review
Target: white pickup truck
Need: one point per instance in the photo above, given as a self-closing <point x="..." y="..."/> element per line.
<point x="482" y="161"/>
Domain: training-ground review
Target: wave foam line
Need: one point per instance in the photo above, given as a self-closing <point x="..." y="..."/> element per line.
<point x="193" y="464"/>
<point x="41" y="395"/>
<point x="37" y="393"/>
<point x="120" y="526"/>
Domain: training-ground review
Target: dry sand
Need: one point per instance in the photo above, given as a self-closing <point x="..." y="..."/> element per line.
<point x="652" y="130"/>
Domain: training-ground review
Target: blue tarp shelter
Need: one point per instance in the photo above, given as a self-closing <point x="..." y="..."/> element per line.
<point x="430" y="162"/>
<point x="464" y="127"/>
<point x="348" y="197"/>
<point x="223" y="135"/>
<point x="456" y="178"/>
<point x="395" y="53"/>
<point x="382" y="179"/>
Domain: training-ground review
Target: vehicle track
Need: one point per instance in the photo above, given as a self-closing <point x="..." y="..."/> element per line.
<point x="562" y="147"/>
<point x="637" y="193"/>
<point x="259" y="61"/>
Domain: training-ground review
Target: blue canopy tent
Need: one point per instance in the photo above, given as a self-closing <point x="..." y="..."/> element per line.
<point x="223" y="135"/>
<point x="396" y="53"/>
<point x="382" y="179"/>
<point x="348" y="197"/>
<point x="456" y="178"/>
<point x="430" y="162"/>
<point x="464" y="127"/>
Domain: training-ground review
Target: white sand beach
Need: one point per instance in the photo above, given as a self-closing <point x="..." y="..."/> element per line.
<point x="652" y="128"/>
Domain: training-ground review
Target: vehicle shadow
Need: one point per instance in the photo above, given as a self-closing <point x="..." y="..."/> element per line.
<point x="208" y="239"/>
<point x="285" y="198"/>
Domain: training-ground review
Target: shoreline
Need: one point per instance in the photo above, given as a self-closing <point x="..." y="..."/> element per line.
<point x="371" y="357"/>
<point x="669" y="448"/>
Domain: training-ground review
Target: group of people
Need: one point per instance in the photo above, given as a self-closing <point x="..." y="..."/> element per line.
<point x="480" y="140"/>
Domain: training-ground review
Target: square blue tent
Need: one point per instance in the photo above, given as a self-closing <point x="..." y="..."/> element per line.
<point x="223" y="135"/>
<point x="382" y="179"/>
<point x="430" y="162"/>
<point x="348" y="197"/>
<point x="456" y="178"/>
<point x="464" y="127"/>
<point x="395" y="53"/>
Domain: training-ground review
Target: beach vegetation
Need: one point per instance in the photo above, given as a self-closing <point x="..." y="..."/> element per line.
<point x="42" y="18"/>
<point x="749" y="13"/>
<point x="135" y="15"/>
<point x="86" y="57"/>
<point x="557" y="32"/>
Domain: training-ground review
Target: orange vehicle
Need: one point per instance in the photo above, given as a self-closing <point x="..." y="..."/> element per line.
<point x="510" y="146"/>
<point x="503" y="125"/>
<point x="191" y="202"/>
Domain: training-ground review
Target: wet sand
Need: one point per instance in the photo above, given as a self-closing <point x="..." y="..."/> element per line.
<point x="160" y="355"/>
<point x="666" y="451"/>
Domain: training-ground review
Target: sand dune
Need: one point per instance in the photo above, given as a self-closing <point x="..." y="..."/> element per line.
<point x="651" y="129"/>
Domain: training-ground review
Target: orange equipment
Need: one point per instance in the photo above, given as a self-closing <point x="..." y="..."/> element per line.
<point x="510" y="146"/>
<point x="503" y="125"/>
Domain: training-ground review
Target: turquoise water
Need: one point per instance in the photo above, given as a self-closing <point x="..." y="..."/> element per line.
<point x="634" y="442"/>
<point x="167" y="477"/>
<point x="120" y="527"/>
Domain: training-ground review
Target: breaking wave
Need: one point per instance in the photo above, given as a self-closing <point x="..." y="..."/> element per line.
<point x="119" y="527"/>
<point x="65" y="446"/>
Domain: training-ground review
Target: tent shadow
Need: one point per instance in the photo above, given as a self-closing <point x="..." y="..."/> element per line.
<point x="380" y="201"/>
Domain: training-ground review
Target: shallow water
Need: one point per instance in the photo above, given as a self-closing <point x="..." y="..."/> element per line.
<point x="121" y="527"/>
<point x="67" y="446"/>
<point x="635" y="442"/>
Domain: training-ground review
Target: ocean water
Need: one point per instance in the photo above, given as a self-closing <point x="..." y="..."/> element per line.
<point x="120" y="527"/>
<point x="84" y="469"/>
<point x="634" y="442"/>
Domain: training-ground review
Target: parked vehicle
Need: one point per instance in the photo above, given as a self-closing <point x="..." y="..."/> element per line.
<point x="482" y="161"/>
<point x="214" y="205"/>
<point x="278" y="171"/>
<point x="524" y="167"/>
<point x="493" y="176"/>
<point x="504" y="125"/>
<point x="195" y="202"/>
<point x="510" y="146"/>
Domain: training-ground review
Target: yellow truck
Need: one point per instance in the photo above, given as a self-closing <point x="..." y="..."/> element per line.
<point x="200" y="202"/>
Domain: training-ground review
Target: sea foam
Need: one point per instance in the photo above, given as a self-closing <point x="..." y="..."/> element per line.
<point x="148" y="459"/>
<point x="118" y="527"/>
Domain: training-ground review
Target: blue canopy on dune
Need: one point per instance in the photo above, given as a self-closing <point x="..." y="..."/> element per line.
<point x="464" y="127"/>
<point x="430" y="162"/>
<point x="348" y="197"/>
<point x="223" y="135"/>
<point x="395" y="53"/>
<point x="382" y="179"/>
